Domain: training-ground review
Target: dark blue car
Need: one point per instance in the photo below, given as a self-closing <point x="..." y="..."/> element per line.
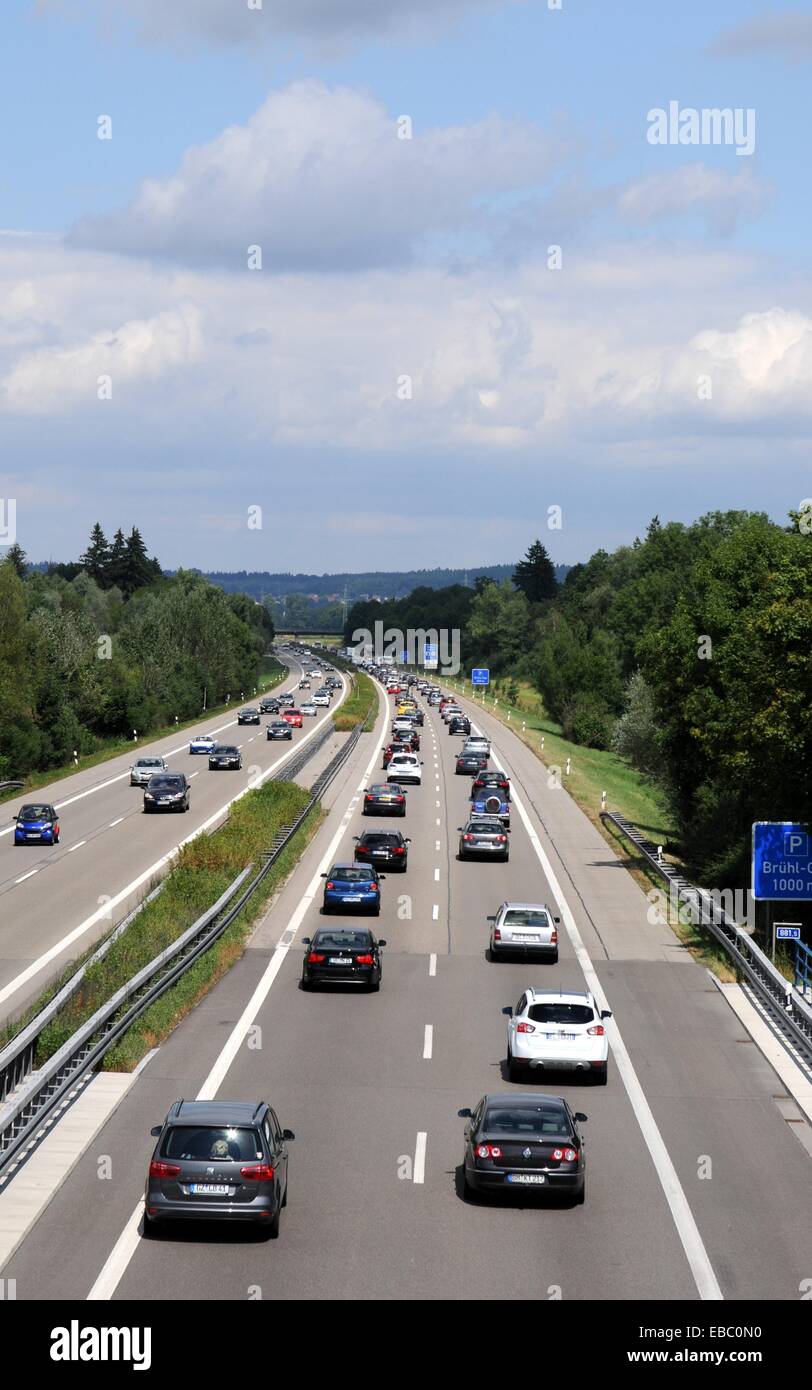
<point x="37" y="824"/>
<point x="491" y="801"/>
<point x="355" y="886"/>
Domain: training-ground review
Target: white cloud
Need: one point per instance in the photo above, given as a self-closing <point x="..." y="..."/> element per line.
<point x="787" y="33"/>
<point x="722" y="198"/>
<point x="319" y="179"/>
<point x="189" y="24"/>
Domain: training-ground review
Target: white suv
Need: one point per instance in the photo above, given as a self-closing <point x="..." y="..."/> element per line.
<point x="404" y="767"/>
<point x="557" y="1031"/>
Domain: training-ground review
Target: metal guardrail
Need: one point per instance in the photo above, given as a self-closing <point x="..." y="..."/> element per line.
<point x="786" y="1006"/>
<point x="38" y="1094"/>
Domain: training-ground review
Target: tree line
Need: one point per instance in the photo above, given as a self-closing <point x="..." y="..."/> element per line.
<point x="93" y="649"/>
<point x="687" y="652"/>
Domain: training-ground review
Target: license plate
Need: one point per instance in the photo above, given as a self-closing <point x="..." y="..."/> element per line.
<point x="33" y="834"/>
<point x="527" y="1179"/>
<point x="528" y="936"/>
<point x="351" y="897"/>
<point x="340" y="960"/>
<point x="209" y="1189"/>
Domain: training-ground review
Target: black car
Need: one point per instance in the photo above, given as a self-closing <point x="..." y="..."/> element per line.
<point x="218" y="1159"/>
<point x="225" y="755"/>
<point x="167" y="791"/>
<point x="248" y="716"/>
<point x="490" y="778"/>
<point x="269" y="705"/>
<point x="342" y="955"/>
<point x="280" y="728"/>
<point x="484" y="835"/>
<point x="471" y="763"/>
<point x="388" y="797"/>
<point x="459" y="724"/>
<point x="523" y="1141"/>
<point x="385" y="848"/>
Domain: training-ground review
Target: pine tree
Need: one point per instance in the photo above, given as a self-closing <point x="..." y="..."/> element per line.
<point x="535" y="575"/>
<point x="117" y="564"/>
<point x="96" y="558"/>
<point x="137" y="568"/>
<point x="15" y="555"/>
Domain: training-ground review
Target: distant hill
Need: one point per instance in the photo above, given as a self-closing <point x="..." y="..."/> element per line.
<point x="370" y="584"/>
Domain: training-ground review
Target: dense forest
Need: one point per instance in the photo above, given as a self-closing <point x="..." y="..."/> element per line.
<point x="95" y="648"/>
<point x="687" y="652"/>
<point x="391" y="584"/>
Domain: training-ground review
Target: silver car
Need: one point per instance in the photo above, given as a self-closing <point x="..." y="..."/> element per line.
<point x="144" y="768"/>
<point x="486" y="836"/>
<point x="526" y="928"/>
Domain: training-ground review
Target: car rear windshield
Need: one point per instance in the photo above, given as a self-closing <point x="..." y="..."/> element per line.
<point x="36" y="812"/>
<point x="380" y="841"/>
<point x="213" y="1144"/>
<point x="532" y="1120"/>
<point x="484" y="826"/>
<point x="526" y="917"/>
<point x="342" y="938"/>
<point x="560" y="1013"/>
<point x="352" y="875"/>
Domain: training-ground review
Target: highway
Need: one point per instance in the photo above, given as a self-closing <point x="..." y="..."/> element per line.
<point x="56" y="901"/>
<point x="692" y="1169"/>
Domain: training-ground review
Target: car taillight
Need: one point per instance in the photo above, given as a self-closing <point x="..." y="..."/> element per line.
<point x="399" y="798"/>
<point x="467" y="837"/>
<point x="258" y="1172"/>
<point x="364" y="960"/>
<point x="313" y="958"/>
<point x="525" y="1028"/>
<point x="368" y="797"/>
<point x="500" y="839"/>
<point x="163" y="1170"/>
<point x="398" y="849"/>
<point x="597" y="1032"/>
<point x="553" y="937"/>
<point x="329" y="884"/>
<point x="565" y="1155"/>
<point x="497" y="935"/>
<point x="488" y="1151"/>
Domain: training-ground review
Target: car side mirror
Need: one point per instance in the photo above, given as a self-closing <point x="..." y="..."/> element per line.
<point x="356" y="837"/>
<point x="156" y="1130"/>
<point x="556" y="919"/>
<point x="606" y="1013"/>
<point x="382" y="941"/>
<point x="465" y="1114"/>
<point x="322" y="875"/>
<point x="581" y="1117"/>
<point x="507" y="1011"/>
<point x="288" y="1134"/>
<point x="306" y="940"/>
<point x="490" y="919"/>
<point x="408" y="840"/>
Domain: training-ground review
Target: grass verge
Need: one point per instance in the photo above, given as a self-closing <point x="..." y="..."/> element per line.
<point x="359" y="706"/>
<point x="272" y="675"/>
<point x="203" y="871"/>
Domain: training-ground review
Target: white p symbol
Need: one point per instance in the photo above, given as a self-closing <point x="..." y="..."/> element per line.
<point x="796" y="843"/>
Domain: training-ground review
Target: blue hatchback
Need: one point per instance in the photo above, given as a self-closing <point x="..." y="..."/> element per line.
<point x="356" y="886"/>
<point x="36" y="824"/>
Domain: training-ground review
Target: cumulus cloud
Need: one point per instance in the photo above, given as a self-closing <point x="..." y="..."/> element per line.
<point x="721" y="198"/>
<point x="788" y="34"/>
<point x="224" y="23"/>
<point x="319" y="179"/>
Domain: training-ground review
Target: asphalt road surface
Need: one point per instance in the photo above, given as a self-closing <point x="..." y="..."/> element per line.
<point x="693" y="1179"/>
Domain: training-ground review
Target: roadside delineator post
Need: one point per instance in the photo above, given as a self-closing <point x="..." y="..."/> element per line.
<point x="603" y="801"/>
<point x="569" y="765"/>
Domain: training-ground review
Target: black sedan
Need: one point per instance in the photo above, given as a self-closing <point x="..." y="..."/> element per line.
<point x="458" y="724"/>
<point x="490" y="778"/>
<point x="484" y="835"/>
<point x="280" y="728"/>
<point x="386" y="849"/>
<point x="385" y="798"/>
<point x="225" y="755"/>
<point x="471" y="763"/>
<point x="248" y="716"/>
<point x="344" y="956"/>
<point x="269" y="706"/>
<point x="167" y="791"/>
<point x="524" y="1141"/>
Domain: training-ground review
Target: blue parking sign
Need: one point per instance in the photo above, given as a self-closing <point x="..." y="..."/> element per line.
<point x="782" y="861"/>
<point x="480" y="676"/>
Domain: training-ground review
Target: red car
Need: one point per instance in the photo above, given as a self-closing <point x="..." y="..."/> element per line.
<point x="408" y="739"/>
<point x="293" y="717"/>
<point x="393" y="688"/>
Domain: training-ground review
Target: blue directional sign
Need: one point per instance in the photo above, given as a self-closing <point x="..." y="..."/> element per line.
<point x="782" y="861"/>
<point x="480" y="676"/>
<point x="788" y="933"/>
<point x="430" y="654"/>
<point x="404" y="658"/>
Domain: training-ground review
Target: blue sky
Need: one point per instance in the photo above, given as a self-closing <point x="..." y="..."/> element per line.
<point x="386" y="260"/>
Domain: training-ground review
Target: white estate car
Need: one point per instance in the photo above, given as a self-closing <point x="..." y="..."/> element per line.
<point x="308" y="708"/>
<point x="404" y="767"/>
<point x="529" y="928"/>
<point x="320" y="700"/>
<point x="557" y="1030"/>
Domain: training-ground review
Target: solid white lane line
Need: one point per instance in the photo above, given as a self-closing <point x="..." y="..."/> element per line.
<point x="30" y="874"/>
<point x="420" y="1157"/>
<point x="116" y="1264"/>
<point x="428" y="1042"/>
<point x="122" y="896"/>
<point x="687" y="1229"/>
<point x="78" y="845"/>
<point x="435" y="912"/>
<point x="433" y="963"/>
